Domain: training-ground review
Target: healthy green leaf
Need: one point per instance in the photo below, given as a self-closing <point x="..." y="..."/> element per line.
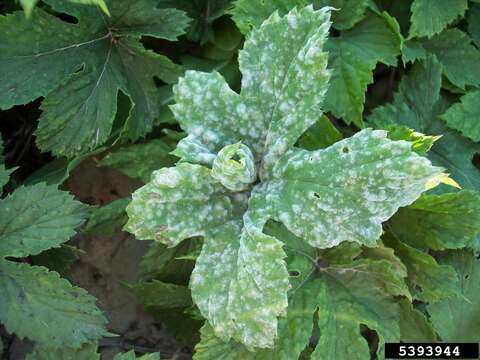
<point x="345" y="303"/>
<point x="414" y="325"/>
<point x="421" y="143"/>
<point x="459" y="57"/>
<point x="433" y="221"/>
<point x="140" y="160"/>
<point x="34" y="302"/>
<point x="81" y="68"/>
<point x="457" y="154"/>
<point x="463" y="116"/>
<point x="86" y="352"/>
<point x="447" y="315"/>
<point x="37" y="218"/>
<point x="428" y="281"/>
<point x="163" y="263"/>
<point x="322" y="134"/>
<point x="58" y="259"/>
<point x="227" y="39"/>
<point x="473" y="24"/>
<point x="412" y="51"/>
<point x="161" y="295"/>
<point x="108" y="219"/>
<point x="429" y="17"/>
<point x="416" y="101"/>
<point x="38" y="304"/>
<point x="131" y="356"/>
<point x="28" y="5"/>
<point x="203" y="13"/>
<point x="384" y="253"/>
<point x="249" y="14"/>
<point x="348" y="13"/>
<point x="417" y="104"/>
<point x="4" y="175"/>
<point x="353" y="57"/>
<point x="454" y="50"/>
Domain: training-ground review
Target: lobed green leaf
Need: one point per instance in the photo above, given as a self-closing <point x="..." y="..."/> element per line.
<point x="433" y="221"/>
<point x="37" y="218"/>
<point x="429" y="17"/>
<point x="38" y="304"/>
<point x="418" y="104"/>
<point x="448" y="314"/>
<point x="461" y="116"/>
<point x="81" y="68"/>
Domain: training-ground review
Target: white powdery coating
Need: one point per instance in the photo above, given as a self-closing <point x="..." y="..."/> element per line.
<point x="240" y="284"/>
<point x="279" y="99"/>
<point x="235" y="174"/>
<point x="213" y="115"/>
<point x="189" y="149"/>
<point x="169" y="177"/>
<point x="290" y="92"/>
<point x="345" y="192"/>
<point x="178" y="203"/>
<point x="211" y="279"/>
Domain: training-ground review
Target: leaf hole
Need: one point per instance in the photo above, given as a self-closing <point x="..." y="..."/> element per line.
<point x="68" y="18"/>
<point x="476" y="160"/>
<point x="294" y="273"/>
<point x="372" y="339"/>
<point x="158" y="82"/>
<point x="316" y="195"/>
<point x="321" y="263"/>
<point x="467" y="276"/>
<point x="62" y="16"/>
<point x="345" y="150"/>
<point x="235" y="157"/>
<point x="124" y="106"/>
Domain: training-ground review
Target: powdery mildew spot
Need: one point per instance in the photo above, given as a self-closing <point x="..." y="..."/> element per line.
<point x="345" y="192"/>
<point x="234" y="167"/>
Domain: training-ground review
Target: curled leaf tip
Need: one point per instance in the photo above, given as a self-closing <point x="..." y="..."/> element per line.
<point x="234" y="167"/>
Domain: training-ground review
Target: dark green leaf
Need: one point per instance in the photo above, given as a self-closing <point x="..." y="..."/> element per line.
<point x="37" y="218"/>
<point x="81" y="68"/>
<point x="456" y="320"/>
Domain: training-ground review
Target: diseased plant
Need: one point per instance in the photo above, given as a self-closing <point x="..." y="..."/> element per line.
<point x="313" y="195"/>
<point x="240" y="168"/>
